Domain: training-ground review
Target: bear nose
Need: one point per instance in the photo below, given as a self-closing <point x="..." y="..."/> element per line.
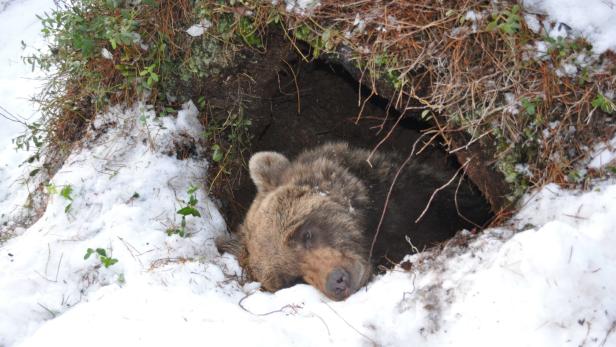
<point x="338" y="284"/>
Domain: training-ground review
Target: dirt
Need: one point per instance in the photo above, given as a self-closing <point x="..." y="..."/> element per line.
<point x="307" y="104"/>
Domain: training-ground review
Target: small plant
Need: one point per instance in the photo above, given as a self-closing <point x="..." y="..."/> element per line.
<point x="561" y="47"/>
<point x="228" y="140"/>
<point x="107" y="261"/>
<point x="65" y="192"/>
<point x="606" y="105"/>
<point x="188" y="210"/>
<point x="152" y="76"/>
<point x="507" y="22"/>
<point x="249" y="33"/>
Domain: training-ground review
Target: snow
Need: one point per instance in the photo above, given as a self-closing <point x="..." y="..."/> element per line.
<point x="594" y="19"/>
<point x="17" y="85"/>
<point x="199" y="28"/>
<point x="300" y="7"/>
<point x="545" y="279"/>
<point x="603" y="154"/>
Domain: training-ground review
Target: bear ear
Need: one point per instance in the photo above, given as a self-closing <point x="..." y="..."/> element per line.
<point x="266" y="169"/>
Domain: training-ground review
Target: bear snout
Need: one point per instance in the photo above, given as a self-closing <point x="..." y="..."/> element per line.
<point x="335" y="274"/>
<point x="338" y="284"/>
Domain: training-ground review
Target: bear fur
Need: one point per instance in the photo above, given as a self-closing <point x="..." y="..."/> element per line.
<point x="314" y="218"/>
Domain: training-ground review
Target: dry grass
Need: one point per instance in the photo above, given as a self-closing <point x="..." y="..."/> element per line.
<point x="477" y="78"/>
<point x="468" y="75"/>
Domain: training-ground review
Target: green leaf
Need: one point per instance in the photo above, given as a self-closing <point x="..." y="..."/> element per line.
<point x="605" y="104"/>
<point x="171" y="231"/>
<point x="189" y="211"/>
<point x="101" y="252"/>
<point x="107" y="262"/>
<point x="66" y="192"/>
<point x="492" y="26"/>
<point x="217" y="156"/>
<point x="192" y="189"/>
<point x="51" y="189"/>
<point x="88" y="253"/>
<point x="67" y="208"/>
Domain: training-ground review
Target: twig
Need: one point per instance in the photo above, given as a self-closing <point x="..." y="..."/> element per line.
<point x="53" y="315"/>
<point x="324" y="323"/>
<point x="4" y="113"/>
<point x="439" y="189"/>
<point x="48" y="257"/>
<point x="609" y="331"/>
<point x="299" y="108"/>
<point x="455" y="200"/>
<point x="391" y="188"/>
<point x="128" y="248"/>
<point x="350" y="326"/>
<point x="293" y="307"/>
<point x="58" y="269"/>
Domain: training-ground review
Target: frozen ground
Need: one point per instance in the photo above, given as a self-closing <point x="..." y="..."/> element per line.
<point x="545" y="280"/>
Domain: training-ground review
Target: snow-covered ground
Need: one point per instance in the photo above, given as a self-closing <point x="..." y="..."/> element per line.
<point x="594" y="19"/>
<point x="546" y="280"/>
<point x="18" y="83"/>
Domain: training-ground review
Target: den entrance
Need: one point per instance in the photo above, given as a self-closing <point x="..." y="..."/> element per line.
<point x="307" y="104"/>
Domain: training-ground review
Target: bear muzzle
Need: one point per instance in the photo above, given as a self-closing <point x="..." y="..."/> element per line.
<point x="338" y="284"/>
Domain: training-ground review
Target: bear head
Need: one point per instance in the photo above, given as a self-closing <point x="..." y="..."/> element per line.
<point x="306" y="224"/>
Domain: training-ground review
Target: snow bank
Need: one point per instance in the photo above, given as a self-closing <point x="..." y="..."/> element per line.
<point x="17" y="84"/>
<point x="125" y="191"/>
<point x="548" y="285"/>
<point x="594" y="19"/>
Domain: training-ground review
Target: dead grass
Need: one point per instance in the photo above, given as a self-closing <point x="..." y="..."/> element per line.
<point x="488" y="84"/>
<point x="470" y="67"/>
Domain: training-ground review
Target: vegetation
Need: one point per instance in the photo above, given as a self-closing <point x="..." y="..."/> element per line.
<point x="101" y="253"/>
<point x="65" y="192"/>
<point x="474" y="69"/>
<point x="189" y="209"/>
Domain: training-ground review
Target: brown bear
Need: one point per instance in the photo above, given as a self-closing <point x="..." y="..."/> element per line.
<point x="314" y="218"/>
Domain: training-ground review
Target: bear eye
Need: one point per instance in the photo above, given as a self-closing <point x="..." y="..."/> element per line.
<point x="306" y="237"/>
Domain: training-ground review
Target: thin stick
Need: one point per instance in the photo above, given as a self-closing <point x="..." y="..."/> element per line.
<point x="609" y="331"/>
<point x="391" y="188"/>
<point x="350" y="326"/>
<point x="438" y="190"/>
<point x="53" y="315"/>
<point x="455" y="200"/>
<point x="293" y="307"/>
<point x="299" y="107"/>
<point x="58" y="269"/>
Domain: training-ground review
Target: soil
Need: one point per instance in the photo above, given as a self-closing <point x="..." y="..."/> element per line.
<point x="315" y="103"/>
